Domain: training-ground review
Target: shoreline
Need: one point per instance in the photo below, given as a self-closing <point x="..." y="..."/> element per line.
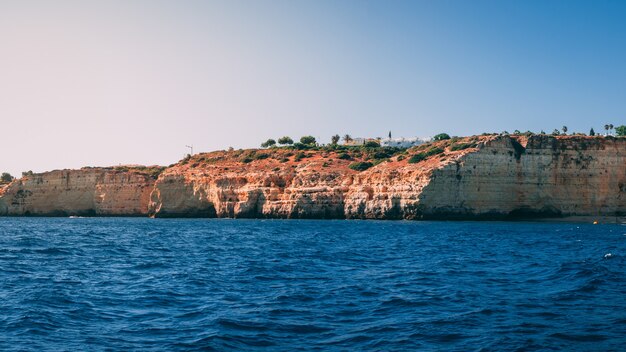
<point x="510" y="178"/>
<point x="601" y="220"/>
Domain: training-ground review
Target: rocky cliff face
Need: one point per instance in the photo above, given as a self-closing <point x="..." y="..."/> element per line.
<point x="89" y="191"/>
<point x="476" y="177"/>
<point x="541" y="176"/>
<point x="492" y="177"/>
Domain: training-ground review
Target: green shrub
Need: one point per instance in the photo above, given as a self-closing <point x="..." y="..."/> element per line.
<point x="301" y="146"/>
<point x="461" y="146"/>
<point x="434" y="151"/>
<point x="441" y="137"/>
<point x="154" y="173"/>
<point x="416" y="158"/>
<point x="344" y="156"/>
<point x="360" y="165"/>
<point x="371" y="144"/>
<point x="400" y="157"/>
<point x="6" y="177"/>
<point x="186" y="159"/>
<point x="378" y="161"/>
<point x="381" y="154"/>
<point x="299" y="156"/>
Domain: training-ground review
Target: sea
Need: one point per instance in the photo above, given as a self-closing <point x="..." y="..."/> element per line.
<point x="135" y="284"/>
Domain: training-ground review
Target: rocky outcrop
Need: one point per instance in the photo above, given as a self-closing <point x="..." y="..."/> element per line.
<point x="490" y="177"/>
<point x="84" y="192"/>
<point x="540" y="177"/>
<point x="496" y="177"/>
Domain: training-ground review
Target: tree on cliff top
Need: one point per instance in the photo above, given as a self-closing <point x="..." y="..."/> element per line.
<point x="334" y="139"/>
<point x="347" y="138"/>
<point x="6" y="177"/>
<point x="441" y="137"/>
<point x="268" y="143"/>
<point x="621" y="130"/>
<point x="592" y="132"/>
<point x="285" y="140"/>
<point x="564" y="129"/>
<point x="308" y="140"/>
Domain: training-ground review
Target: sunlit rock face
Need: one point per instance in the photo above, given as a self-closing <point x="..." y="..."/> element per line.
<point x="501" y="177"/>
<point x="543" y="176"/>
<point x="90" y="191"/>
<point x="490" y="177"/>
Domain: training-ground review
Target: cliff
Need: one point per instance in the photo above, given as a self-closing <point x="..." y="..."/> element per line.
<point x="495" y="177"/>
<point x="477" y="177"/>
<point x="87" y="192"/>
<point x="542" y="176"/>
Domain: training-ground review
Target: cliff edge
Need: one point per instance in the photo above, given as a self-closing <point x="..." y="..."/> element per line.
<point x="475" y="177"/>
<point x="490" y="177"/>
<point x="84" y="192"/>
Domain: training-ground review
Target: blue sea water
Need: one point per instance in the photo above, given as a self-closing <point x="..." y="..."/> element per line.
<point x="118" y="284"/>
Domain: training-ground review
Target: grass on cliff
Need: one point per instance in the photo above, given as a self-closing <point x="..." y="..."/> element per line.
<point x="151" y="171"/>
<point x="360" y="158"/>
<point x="438" y="148"/>
<point x="296" y="153"/>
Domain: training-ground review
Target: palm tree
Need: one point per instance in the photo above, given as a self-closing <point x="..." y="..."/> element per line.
<point x="347" y="138"/>
<point x="564" y="129"/>
<point x="606" y="127"/>
<point x="334" y="139"/>
<point x="610" y="126"/>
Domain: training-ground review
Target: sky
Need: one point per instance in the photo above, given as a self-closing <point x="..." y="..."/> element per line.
<point x="99" y="83"/>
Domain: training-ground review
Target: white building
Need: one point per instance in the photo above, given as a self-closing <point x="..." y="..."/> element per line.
<point x="401" y="142"/>
<point x="356" y="141"/>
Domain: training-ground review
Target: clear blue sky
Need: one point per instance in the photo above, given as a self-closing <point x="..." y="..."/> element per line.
<point x="110" y="82"/>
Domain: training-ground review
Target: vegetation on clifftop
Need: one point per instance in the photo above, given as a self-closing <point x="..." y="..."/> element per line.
<point x="6" y="178"/>
<point x="152" y="171"/>
<point x="283" y="154"/>
<point x="360" y="165"/>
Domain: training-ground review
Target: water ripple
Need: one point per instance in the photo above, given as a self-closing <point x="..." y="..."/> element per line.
<point x="215" y="285"/>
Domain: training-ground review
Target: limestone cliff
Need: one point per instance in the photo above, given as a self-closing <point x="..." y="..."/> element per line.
<point x="486" y="177"/>
<point x="540" y="176"/>
<point x="88" y="191"/>
<point x="475" y="177"/>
